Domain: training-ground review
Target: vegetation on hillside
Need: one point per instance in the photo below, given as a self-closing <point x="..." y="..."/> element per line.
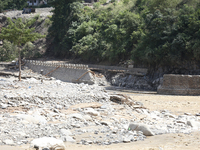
<point x="34" y="49"/>
<point x="154" y="33"/>
<point x="19" y="32"/>
<point x="12" y="4"/>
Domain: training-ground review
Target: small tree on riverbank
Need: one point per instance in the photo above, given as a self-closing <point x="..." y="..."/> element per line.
<point x="19" y="33"/>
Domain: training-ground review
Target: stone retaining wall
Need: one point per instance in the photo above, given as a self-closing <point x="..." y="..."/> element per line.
<point x="180" y="85"/>
<point x="64" y="72"/>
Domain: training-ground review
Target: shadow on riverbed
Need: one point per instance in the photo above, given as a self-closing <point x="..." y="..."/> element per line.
<point x="128" y="90"/>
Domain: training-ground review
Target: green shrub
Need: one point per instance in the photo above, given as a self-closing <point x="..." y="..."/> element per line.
<point x="37" y="55"/>
<point x="96" y="5"/>
<point x="28" y="50"/>
<point x="47" y="22"/>
<point x="103" y="1"/>
<point x="8" y="51"/>
<point x="36" y="17"/>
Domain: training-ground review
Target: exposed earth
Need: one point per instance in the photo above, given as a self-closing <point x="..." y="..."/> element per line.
<point x="91" y="117"/>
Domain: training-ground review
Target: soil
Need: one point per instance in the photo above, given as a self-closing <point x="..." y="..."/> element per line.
<point x="176" y="104"/>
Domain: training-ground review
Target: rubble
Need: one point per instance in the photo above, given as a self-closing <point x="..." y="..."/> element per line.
<point x="78" y="113"/>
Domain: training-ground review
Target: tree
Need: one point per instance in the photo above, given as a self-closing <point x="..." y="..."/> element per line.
<point x="19" y="33"/>
<point x="19" y="4"/>
<point x="3" y="3"/>
<point x="65" y="13"/>
<point x="12" y="4"/>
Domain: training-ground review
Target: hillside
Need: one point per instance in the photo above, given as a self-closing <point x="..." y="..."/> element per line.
<point x="160" y="35"/>
<point x="35" y="49"/>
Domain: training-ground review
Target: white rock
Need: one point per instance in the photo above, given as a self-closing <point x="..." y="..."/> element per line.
<point x="87" y="117"/>
<point x="170" y="115"/>
<point x="77" y="116"/>
<point x="194" y="124"/>
<point x="106" y="122"/>
<point x="91" y="111"/>
<point x="32" y="119"/>
<point x="48" y="142"/>
<point x="145" y="111"/>
<point x="65" y="132"/>
<point x="69" y="139"/>
<point x="4" y="106"/>
<point x="104" y="107"/>
<point x="139" y="111"/>
<point x="141" y="127"/>
<point x="126" y="140"/>
<point x="22" y="133"/>
<point x="155" y="115"/>
<point x="181" y="121"/>
<point x="59" y="107"/>
<point x="76" y="125"/>
<point x="8" y="142"/>
<point x="115" y="119"/>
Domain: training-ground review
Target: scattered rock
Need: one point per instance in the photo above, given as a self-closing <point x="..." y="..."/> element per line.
<point x="69" y="111"/>
<point x="91" y="111"/>
<point x="141" y="127"/>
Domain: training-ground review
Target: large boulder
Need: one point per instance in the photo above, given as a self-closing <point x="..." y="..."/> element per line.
<point x="47" y="143"/>
<point x="141" y="127"/>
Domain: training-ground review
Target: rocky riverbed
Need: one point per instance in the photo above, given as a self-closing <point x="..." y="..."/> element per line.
<point x="83" y="114"/>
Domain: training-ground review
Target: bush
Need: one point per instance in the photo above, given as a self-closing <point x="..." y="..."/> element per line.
<point x="96" y="5"/>
<point x="8" y="51"/>
<point x="28" y="50"/>
<point x="47" y="22"/>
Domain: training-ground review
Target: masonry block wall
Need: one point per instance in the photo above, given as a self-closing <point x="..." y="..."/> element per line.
<point x="180" y="85"/>
<point x="64" y="72"/>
